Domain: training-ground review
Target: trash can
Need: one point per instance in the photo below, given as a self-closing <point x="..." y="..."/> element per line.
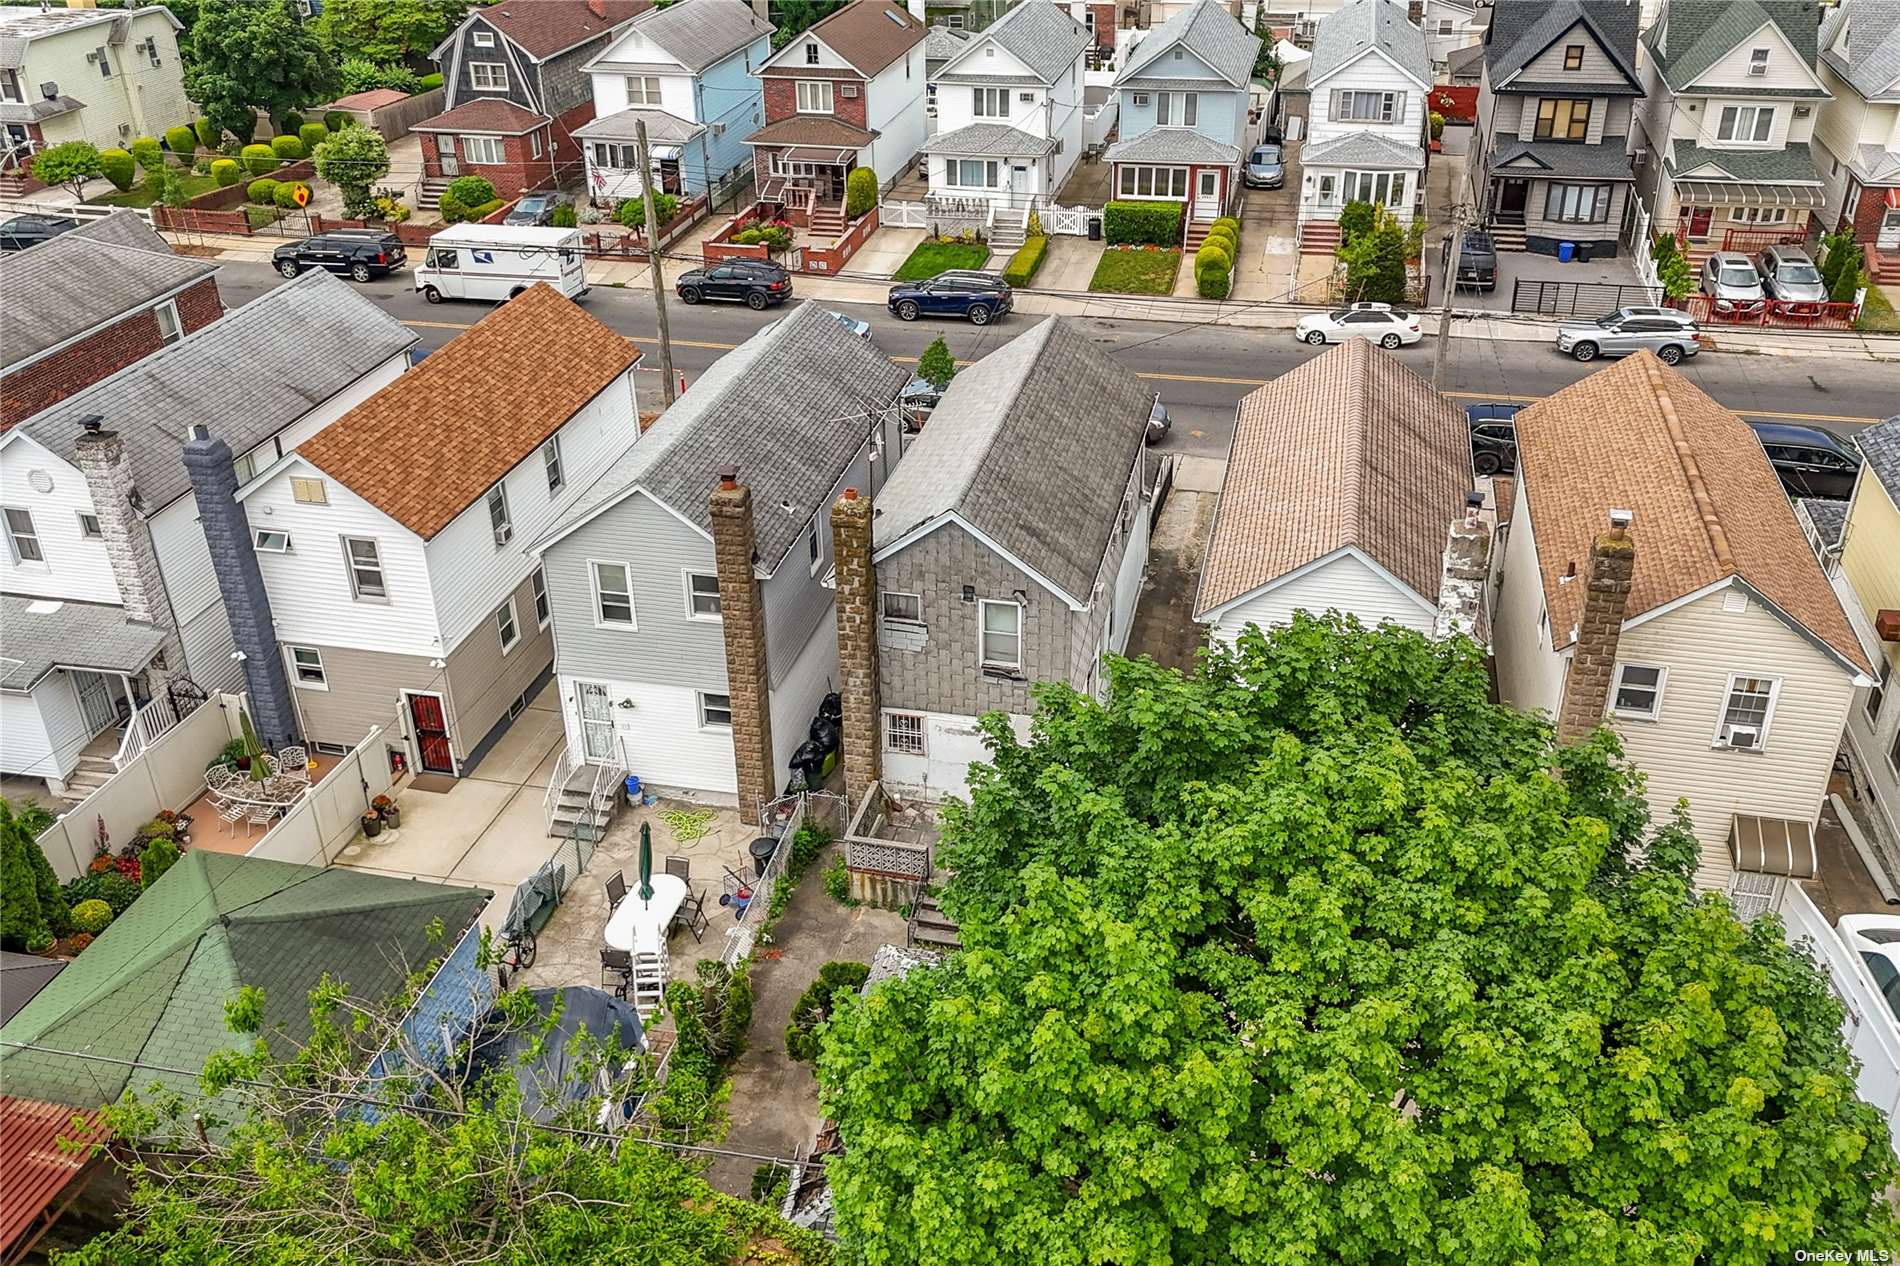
<point x="633" y="789"/>
<point x="1565" y="250"/>
<point x="762" y="849"/>
<point x="1095" y="228"/>
<point x="1583" y="252"/>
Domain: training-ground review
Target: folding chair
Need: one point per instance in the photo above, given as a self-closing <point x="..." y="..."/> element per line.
<point x="680" y="868"/>
<point x="692" y="915"/>
<point x="616" y="890"/>
<point x="616" y="968"/>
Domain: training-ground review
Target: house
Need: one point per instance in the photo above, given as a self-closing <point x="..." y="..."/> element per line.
<point x="1725" y="133"/>
<point x="941" y="43"/>
<point x="1342" y="479"/>
<point x="848" y="93"/>
<point x="1464" y="67"/>
<point x="85" y="74"/>
<point x="393" y="544"/>
<point x="516" y="90"/>
<point x="1857" y="136"/>
<point x="686" y="72"/>
<point x="692" y="624"/>
<point x="1451" y="25"/>
<point x="89" y="303"/>
<point x="1365" y="129"/>
<point x="1864" y="559"/>
<point x="1009" y="113"/>
<point x="113" y="603"/>
<point x="1551" y="162"/>
<point x="1182" y="98"/>
<point x="1655" y="580"/>
<point x="1006" y="550"/>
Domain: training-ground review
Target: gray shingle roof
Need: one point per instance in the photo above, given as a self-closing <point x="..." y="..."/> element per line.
<point x="697" y="35"/>
<point x="1032" y="445"/>
<point x="1362" y="26"/>
<point x="1880" y="447"/>
<point x="43" y="634"/>
<point x="1828" y="517"/>
<point x="1041" y="36"/>
<point x="989" y="140"/>
<point x="1368" y="148"/>
<point x="662" y="128"/>
<point x="298" y="346"/>
<point x="39" y="109"/>
<point x="788" y="407"/>
<point x="1179" y="144"/>
<point x="1465" y="62"/>
<point x="942" y="43"/>
<point x="1791" y="163"/>
<point x="1870" y="58"/>
<point x="1521" y="29"/>
<point x="1606" y="160"/>
<point x="1207" y="31"/>
<point x="1693" y="35"/>
<point x="88" y="277"/>
<point x="1879" y="163"/>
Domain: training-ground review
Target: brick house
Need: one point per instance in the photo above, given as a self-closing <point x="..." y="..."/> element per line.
<point x="89" y="303"/>
<point x="516" y="91"/>
<point x="1857" y="137"/>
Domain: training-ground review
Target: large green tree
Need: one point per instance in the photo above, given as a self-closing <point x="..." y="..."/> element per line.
<point x="251" y="55"/>
<point x="386" y="32"/>
<point x="793" y="18"/>
<point x="1317" y="956"/>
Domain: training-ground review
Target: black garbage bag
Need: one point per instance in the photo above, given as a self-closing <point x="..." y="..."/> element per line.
<point x="825" y="732"/>
<point x="809" y="762"/>
<point x="832" y="709"/>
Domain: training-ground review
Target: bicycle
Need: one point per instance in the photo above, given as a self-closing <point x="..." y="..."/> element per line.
<point x="517" y="955"/>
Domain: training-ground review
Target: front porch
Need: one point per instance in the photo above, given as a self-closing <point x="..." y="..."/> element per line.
<point x="805" y="185"/>
<point x="678" y="163"/>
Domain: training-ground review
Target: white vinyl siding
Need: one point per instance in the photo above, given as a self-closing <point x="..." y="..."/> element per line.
<point x="661" y="736"/>
<point x="74" y="567"/>
<point x="1344" y="582"/>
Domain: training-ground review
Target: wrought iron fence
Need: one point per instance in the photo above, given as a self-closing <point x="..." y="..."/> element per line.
<point x="1574" y="298"/>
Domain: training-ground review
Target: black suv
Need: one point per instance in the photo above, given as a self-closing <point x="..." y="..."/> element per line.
<point x="1493" y="437"/>
<point x="23" y="231"/>
<point x="1809" y="462"/>
<point x="361" y="253"/>
<point x="1477" y="261"/>
<point x="757" y="283"/>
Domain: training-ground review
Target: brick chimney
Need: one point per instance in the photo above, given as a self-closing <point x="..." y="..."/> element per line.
<point x="598" y="8"/>
<point x="857" y="643"/>
<point x="1606" y="596"/>
<point x="742" y="609"/>
<point x="100" y="456"/>
<point x="246" y="602"/>
<point x="1461" y="607"/>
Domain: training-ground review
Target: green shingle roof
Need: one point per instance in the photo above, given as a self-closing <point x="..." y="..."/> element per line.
<point x="1695" y="34"/>
<point x="153" y="986"/>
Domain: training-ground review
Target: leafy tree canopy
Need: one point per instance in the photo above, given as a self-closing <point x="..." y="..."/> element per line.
<point x="70" y="163"/>
<point x="386" y="32"/>
<point x="254" y="54"/>
<point x="937" y="366"/>
<point x="1318" y="956"/>
<point x="794" y="17"/>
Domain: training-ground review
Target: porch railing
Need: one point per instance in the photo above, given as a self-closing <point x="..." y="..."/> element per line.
<point x="563" y="770"/>
<point x="145" y="728"/>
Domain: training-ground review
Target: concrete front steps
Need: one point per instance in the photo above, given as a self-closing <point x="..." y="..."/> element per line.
<point x="1319" y="237"/>
<point x="827" y="221"/>
<point x="1009" y="231"/>
<point x="432" y="191"/>
<point x="1508" y="237"/>
<point x="930" y="926"/>
<point x="571" y="806"/>
<point x="88" y="776"/>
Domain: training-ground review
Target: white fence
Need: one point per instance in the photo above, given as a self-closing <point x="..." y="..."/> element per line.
<point x="921" y="215"/>
<point x="330" y="813"/>
<point x="1098" y="123"/>
<point x="168" y="774"/>
<point x="77" y="211"/>
<point x="1638" y="247"/>
<point x="903" y="215"/>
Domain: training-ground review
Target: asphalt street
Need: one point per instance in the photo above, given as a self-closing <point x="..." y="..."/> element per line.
<point x="1201" y="371"/>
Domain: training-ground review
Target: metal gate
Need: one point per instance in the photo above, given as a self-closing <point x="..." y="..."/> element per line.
<point x="1574" y="298"/>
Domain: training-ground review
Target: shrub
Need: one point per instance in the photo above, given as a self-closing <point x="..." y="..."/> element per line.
<point x="201" y="164"/>
<point x="471" y="191"/>
<point x="71" y="163"/>
<point x="387" y="205"/>
<point x="359" y="74"/>
<point x="285" y="195"/>
<point x="838" y="882"/>
<point x="860" y="192"/>
<point x="92" y="916"/>
<point x="565" y="217"/>
<point x="1437" y="122"/>
<point x="452" y="209"/>
<point x="1226" y="239"/>
<point x="312" y="135"/>
<point x="354" y="160"/>
<point x="149" y="153"/>
<point x="936" y="366"/>
<point x="814" y="1006"/>
<point x="163" y="186"/>
<point x="157" y="858"/>
<point x="1356" y="218"/>
<point x="225" y="172"/>
<point x="181" y="140"/>
<point x="1022" y="266"/>
<point x="1375" y="261"/>
<point x="1212" y="258"/>
<point x="337" y="120"/>
<point x="259" y="159"/>
<point x="290" y="122"/>
<point x="118" y="168"/>
<point x="632" y="212"/>
<point x="261" y="217"/>
<point x="1677" y="278"/>
<point x="262" y="191"/>
<point x="288" y="148"/>
<point x="1227" y="222"/>
<point x="429" y="82"/>
<point x="208" y="133"/>
<point x="1213" y="284"/>
<point x="1142" y="223"/>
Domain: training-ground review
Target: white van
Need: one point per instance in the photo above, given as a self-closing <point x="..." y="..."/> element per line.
<point x="499" y="261"/>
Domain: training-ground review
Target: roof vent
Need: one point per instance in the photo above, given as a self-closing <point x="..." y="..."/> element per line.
<point x="91" y="423"/>
<point x="896" y="17"/>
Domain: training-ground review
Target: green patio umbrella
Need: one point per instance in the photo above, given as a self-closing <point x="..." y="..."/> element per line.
<point x="646" y="861"/>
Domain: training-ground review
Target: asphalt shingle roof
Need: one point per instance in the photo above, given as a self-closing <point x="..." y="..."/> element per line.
<point x="1174" y="144"/>
<point x="484" y="114"/>
<point x="543" y="28"/>
<point x="1042" y="36"/>
<point x="1880" y="448"/>
<point x="43" y="634"/>
<point x="1792" y="162"/>
<point x="813" y="129"/>
<point x="1870" y="58"/>
<point x="870" y="34"/>
<point x="941" y="44"/>
<point x="662" y="128"/>
<point x="1206" y="31"/>
<point x="299" y="344"/>
<point x="991" y="140"/>
<point x="1361" y="26"/>
<point x="1368" y="148"/>
<point x="789" y="407"/>
<point x="1693" y="35"/>
<point x="696" y="35"/>
<point x="1607" y="160"/>
<point x="1828" y="517"/>
<point x="1522" y="29"/>
<point x="1032" y="445"/>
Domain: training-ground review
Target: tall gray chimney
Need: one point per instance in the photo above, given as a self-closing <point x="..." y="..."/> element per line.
<point x="100" y="456"/>
<point x="1467" y="565"/>
<point x="246" y="602"/>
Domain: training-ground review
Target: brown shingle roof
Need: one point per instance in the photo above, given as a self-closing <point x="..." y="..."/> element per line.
<point x="432" y="443"/>
<point x="812" y="129"/>
<point x="484" y="114"/>
<point x="1639" y="436"/>
<point x="1352" y="448"/>
<point x="870" y="34"/>
<point x="545" y="27"/>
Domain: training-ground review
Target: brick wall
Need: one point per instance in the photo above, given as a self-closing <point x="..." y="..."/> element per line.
<point x="104" y="351"/>
<point x="781" y="100"/>
<point x="1607" y="575"/>
<point x="1867" y="216"/>
<point x="742" y="614"/>
<point x="519" y="173"/>
<point x="1104" y="25"/>
<point x="857" y="642"/>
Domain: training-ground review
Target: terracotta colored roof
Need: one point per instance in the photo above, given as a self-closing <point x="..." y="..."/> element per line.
<point x="484" y="114"/>
<point x="37" y="1170"/>
<point x="432" y="443"/>
<point x="812" y="129"/>
<point x="1641" y="437"/>
<point x="870" y="34"/>
<point x="1352" y="448"/>
<point x="545" y="27"/>
<point x="369" y="100"/>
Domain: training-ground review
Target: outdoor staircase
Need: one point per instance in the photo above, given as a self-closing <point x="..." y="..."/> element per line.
<point x="1009" y="230"/>
<point x="88" y="776"/>
<point x="1197" y="231"/>
<point x="13" y="184"/>
<point x="827" y="220"/>
<point x="1883" y="266"/>
<point x="578" y="802"/>
<point x="930" y="926"/>
<point x="432" y="190"/>
<point x="1508" y="237"/>
<point x="1319" y="237"/>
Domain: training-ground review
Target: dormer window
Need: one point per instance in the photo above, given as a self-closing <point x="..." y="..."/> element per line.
<point x="811" y="54"/>
<point x="1757" y="61"/>
<point x="1573" y="57"/>
<point x="484" y="39"/>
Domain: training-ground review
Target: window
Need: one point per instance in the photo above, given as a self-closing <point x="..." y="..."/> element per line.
<point x="534" y="145"/>
<point x="1153" y="182"/>
<point x="306" y="668"/>
<point x="1757" y="61"/>
<point x="1190" y="108"/>
<point x="930" y="101"/>
<point x="1748" y="124"/>
<point x="10" y="86"/>
<point x="811" y="53"/>
<point x="954" y="21"/>
<point x="24" y="537"/>
<point x="1577" y="204"/>
<point x="1745" y="714"/>
<point x="904" y="732"/>
<point x="488" y="76"/>
<point x="1879" y="692"/>
<point x="990" y="103"/>
<point x="1002" y="634"/>
<point x="505" y="627"/>
<point x="613" y="595"/>
<point x="105" y="63"/>
<point x="1758" y="215"/>
<point x="1444" y="26"/>
<point x="170" y="329"/>
<point x="484" y="150"/>
<point x="1638" y="691"/>
<point x="308" y="492"/>
<point x="643" y="90"/>
<point x="484" y="39"/>
<point x="811" y="548"/>
<point x="905" y="608"/>
<point x="615" y="156"/>
<point x="498" y="519"/>
<point x="271" y="542"/>
<point x="814" y="96"/>
<point x="365" y="561"/>
<point x="539" y="582"/>
<point x="715" y="710"/>
<point x="1380" y="188"/>
<point x="1357" y="106"/>
<point x="702" y="596"/>
<point x="1164" y="108"/>
<point x="1573" y="57"/>
<point x="151" y="51"/>
<point x="89" y="527"/>
<point x="1563" y="119"/>
<point x="972" y="173"/>
<point x="551" y="462"/>
<point x="1893" y="753"/>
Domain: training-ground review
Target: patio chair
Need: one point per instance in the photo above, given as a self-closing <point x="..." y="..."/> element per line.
<point x="616" y="890"/>
<point x="259" y="815"/>
<point x="692" y="915"/>
<point x="294" y="763"/>
<point x="680" y="868"/>
<point x="232" y="812"/>
<point x="616" y="968"/>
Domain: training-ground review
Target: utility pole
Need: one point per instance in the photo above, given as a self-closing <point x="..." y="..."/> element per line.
<point x="668" y="384"/>
<point x="1451" y="290"/>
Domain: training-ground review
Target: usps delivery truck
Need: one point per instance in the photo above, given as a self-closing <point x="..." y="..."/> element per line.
<point x="499" y="261"/>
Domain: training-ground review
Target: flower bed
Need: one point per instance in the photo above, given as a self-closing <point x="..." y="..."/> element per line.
<point x="721" y="246"/>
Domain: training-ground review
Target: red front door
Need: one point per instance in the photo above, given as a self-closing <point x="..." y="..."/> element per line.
<point x="1699" y="218"/>
<point x="431" y="727"/>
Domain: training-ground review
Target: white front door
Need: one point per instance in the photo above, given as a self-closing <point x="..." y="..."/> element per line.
<point x="96" y="703"/>
<point x="597" y="723"/>
<point x="1018" y="180"/>
<point x="1207" y="195"/>
<point x="445" y="154"/>
<point x="1889" y="237"/>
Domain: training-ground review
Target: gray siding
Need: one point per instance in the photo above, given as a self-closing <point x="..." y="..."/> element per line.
<point x="365" y="691"/>
<point x="208" y="644"/>
<point x="1088" y="628"/>
<point x="521" y="71"/>
<point x="1535" y="225"/>
<point x="1597" y="68"/>
<point x="483" y="681"/>
<point x="563" y="84"/>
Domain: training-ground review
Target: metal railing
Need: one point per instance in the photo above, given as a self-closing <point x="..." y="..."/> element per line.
<point x="557" y="783"/>
<point x="1575" y="298"/>
<point x="744" y="933"/>
<point x="145" y="727"/>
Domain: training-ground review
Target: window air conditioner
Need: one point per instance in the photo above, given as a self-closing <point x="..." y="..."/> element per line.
<point x="502" y="535"/>
<point x="50" y="91"/>
<point x="1746" y="737"/>
<point x="718" y="129"/>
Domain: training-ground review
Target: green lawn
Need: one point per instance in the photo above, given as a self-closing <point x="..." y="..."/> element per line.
<point x="1876" y="314"/>
<point x="1135" y="271"/>
<point x="137" y="196"/>
<point x="931" y="258"/>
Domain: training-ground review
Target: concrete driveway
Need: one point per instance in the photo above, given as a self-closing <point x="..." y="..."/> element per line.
<point x="1580" y="297"/>
<point x="1270" y="238"/>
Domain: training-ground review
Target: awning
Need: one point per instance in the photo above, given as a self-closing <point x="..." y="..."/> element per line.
<point x="666" y="153"/>
<point x="816" y="154"/>
<point x="1893" y="198"/>
<point x="1729" y="193"/>
<point x="1772" y="846"/>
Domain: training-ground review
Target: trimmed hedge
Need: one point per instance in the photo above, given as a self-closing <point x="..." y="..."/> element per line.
<point x="312" y="135"/>
<point x="471" y="191"/>
<point x="181" y="140"/>
<point x="208" y="133"/>
<point x="262" y="191"/>
<point x="1022" y="266"/>
<point x="860" y="192"/>
<point x="261" y="217"/>
<point x="117" y="166"/>
<point x="288" y="148"/>
<point x="148" y="152"/>
<point x="337" y="120"/>
<point x="429" y="81"/>
<point x="259" y="159"/>
<point x="92" y="915"/>
<point x="225" y="172"/>
<point x="285" y="195"/>
<point x="455" y="211"/>
<point x="1142" y="223"/>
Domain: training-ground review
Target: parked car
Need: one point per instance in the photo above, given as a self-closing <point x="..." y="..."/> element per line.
<point x="1477" y="260"/>
<point x="1732" y="282"/>
<point x="1384" y="324"/>
<point x="964" y="292"/>
<point x="1810" y="462"/>
<point x="1669" y="333"/>
<point x="1493" y="438"/>
<point x="1876" y="938"/>
<point x="359" y="253"/>
<point x="23" y="231"/>
<point x="1788" y="274"/>
<point x="1266" y="168"/>
<point x="534" y="209"/>
<point x="757" y="283"/>
<point x="1159" y="423"/>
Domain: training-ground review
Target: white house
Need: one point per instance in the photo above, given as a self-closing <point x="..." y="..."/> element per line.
<point x="1857" y="137"/>
<point x="1450" y="25"/>
<point x="1366" y="123"/>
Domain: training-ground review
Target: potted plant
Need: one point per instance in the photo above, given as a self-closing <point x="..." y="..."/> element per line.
<point x="388" y="810"/>
<point x="372" y="826"/>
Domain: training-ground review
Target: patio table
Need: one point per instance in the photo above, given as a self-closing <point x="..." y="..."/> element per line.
<point x="640" y="926"/>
